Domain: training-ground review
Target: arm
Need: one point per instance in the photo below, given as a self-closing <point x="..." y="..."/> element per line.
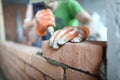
<point x="28" y="21"/>
<point x="44" y="20"/>
<point x="73" y="34"/>
<point x="77" y="11"/>
<point x="33" y="37"/>
<point x="84" y="18"/>
<point x="28" y="26"/>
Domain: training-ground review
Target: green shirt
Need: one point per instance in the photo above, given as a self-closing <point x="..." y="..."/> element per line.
<point x="65" y="13"/>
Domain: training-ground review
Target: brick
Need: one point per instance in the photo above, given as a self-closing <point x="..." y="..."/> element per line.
<point x="19" y="63"/>
<point x="33" y="73"/>
<point x="26" y="52"/>
<point x="8" y="57"/>
<point x="8" y="71"/>
<point x="14" y="70"/>
<point x="15" y="75"/>
<point x="22" y="51"/>
<point x="48" y="78"/>
<point x="42" y="65"/>
<point x="86" y="55"/>
<point x="75" y="75"/>
<point x="5" y="71"/>
<point x="18" y="73"/>
<point x="2" y="49"/>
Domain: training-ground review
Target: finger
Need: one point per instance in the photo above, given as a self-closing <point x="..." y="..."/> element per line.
<point x="84" y="31"/>
<point x="68" y="36"/>
<point x="65" y="30"/>
<point x="50" y="29"/>
<point x="58" y="36"/>
<point x="77" y="39"/>
<point x="46" y="17"/>
<point x="83" y="34"/>
<point x="51" y="40"/>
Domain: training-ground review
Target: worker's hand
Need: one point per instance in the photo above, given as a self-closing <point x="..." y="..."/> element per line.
<point x="73" y="34"/>
<point x="27" y="25"/>
<point x="44" y="19"/>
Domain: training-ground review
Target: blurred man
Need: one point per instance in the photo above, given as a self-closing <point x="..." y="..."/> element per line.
<point x="67" y="13"/>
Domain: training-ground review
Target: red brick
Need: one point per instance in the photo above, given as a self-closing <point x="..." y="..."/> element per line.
<point x="14" y="66"/>
<point x="48" y="78"/>
<point x="85" y="55"/>
<point x="41" y="64"/>
<point x="75" y="75"/>
<point x="33" y="73"/>
<point x="19" y="63"/>
<point x="15" y="75"/>
<point x="9" y="71"/>
<point x="14" y="70"/>
<point x="5" y="71"/>
<point x="22" y="51"/>
<point x="8" y="57"/>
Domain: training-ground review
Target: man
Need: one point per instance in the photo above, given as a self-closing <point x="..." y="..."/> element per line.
<point x="67" y="13"/>
<point x="29" y="22"/>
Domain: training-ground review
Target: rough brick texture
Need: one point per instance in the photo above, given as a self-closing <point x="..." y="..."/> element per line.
<point x="53" y="71"/>
<point x="86" y="55"/>
<point x="33" y="73"/>
<point x="75" y="75"/>
<point x="21" y="62"/>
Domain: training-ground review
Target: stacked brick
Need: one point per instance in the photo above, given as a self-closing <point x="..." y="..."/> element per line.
<point x="81" y="60"/>
<point x="72" y="61"/>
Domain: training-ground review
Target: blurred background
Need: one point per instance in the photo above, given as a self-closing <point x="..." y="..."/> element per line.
<point x="14" y="14"/>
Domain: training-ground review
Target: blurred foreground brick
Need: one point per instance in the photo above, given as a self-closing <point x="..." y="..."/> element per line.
<point x="73" y="61"/>
<point x="86" y="55"/>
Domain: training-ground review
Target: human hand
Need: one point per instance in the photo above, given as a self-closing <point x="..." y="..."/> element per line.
<point x="44" y="19"/>
<point x="73" y="34"/>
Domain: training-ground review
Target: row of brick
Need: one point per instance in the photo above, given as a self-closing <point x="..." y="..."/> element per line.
<point x="23" y="63"/>
<point x="86" y="55"/>
<point x="19" y="61"/>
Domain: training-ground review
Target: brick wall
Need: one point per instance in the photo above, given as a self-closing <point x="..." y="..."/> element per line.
<point x="73" y="61"/>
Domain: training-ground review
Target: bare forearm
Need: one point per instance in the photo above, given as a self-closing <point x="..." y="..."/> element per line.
<point x="84" y="18"/>
<point x="33" y="37"/>
<point x="28" y="21"/>
<point x="28" y="25"/>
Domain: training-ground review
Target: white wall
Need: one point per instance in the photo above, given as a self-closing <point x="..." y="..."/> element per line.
<point x="98" y="6"/>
